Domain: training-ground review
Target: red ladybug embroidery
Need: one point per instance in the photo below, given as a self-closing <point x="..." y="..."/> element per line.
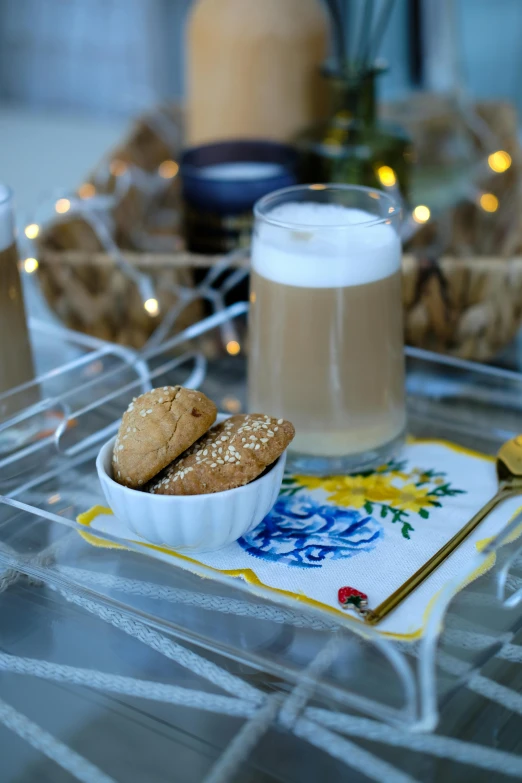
<point x="349" y="596"/>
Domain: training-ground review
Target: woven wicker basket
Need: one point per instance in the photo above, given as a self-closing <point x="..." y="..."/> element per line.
<point x="89" y="293"/>
<point x="468" y="307"/>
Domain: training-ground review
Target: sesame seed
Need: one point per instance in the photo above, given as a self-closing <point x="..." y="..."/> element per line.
<point x="256" y="446"/>
<point x="270" y="434"/>
<point x="276" y="429"/>
<point x="120" y="448"/>
<point x="213" y="465"/>
<point x="160" y="399"/>
<point x="143" y="413"/>
<point x="119" y="474"/>
<point x="140" y="481"/>
<point x="205" y="452"/>
<point x="128" y="429"/>
<point x="264" y="440"/>
<point x="220" y="462"/>
<point x="149" y="410"/>
<point x="280" y="421"/>
<point x="220" y="450"/>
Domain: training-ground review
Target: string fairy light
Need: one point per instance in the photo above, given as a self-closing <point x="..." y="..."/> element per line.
<point x="151" y="306"/>
<point x="62" y="206"/>
<point x="499" y="161"/>
<point x="30" y="265"/>
<point x="421" y="213"/>
<point x="233" y="347"/>
<point x="488" y="202"/>
<point x="168" y="169"/>
<point x="386" y="176"/>
<point x="32" y="230"/>
<point x="87" y="190"/>
<point x="118" y="167"/>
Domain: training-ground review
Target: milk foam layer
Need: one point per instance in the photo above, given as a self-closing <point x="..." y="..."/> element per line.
<point x="316" y="253"/>
<point x="6" y="219"/>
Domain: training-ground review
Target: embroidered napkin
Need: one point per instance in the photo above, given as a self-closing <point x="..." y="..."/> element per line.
<point x="370" y="532"/>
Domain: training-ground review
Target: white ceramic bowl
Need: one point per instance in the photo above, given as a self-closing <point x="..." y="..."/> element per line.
<point x="191" y="523"/>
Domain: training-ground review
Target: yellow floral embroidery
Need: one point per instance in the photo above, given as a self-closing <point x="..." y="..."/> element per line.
<point x="390" y="491"/>
<point x="354" y="491"/>
<point x="412" y="498"/>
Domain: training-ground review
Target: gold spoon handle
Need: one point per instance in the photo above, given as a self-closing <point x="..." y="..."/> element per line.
<point x="374" y="616"/>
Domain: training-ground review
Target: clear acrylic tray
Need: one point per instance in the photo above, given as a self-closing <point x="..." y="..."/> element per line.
<point x="276" y="663"/>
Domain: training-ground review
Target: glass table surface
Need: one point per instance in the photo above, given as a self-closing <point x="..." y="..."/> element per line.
<point x="114" y="665"/>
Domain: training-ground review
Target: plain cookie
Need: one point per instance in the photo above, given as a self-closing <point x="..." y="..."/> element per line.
<point x="155" y="429"/>
<point x="230" y="455"/>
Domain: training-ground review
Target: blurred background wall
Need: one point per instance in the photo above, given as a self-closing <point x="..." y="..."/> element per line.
<point x="117" y="57"/>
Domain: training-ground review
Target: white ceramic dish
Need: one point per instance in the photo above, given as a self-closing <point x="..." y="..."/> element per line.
<point x="191" y="523"/>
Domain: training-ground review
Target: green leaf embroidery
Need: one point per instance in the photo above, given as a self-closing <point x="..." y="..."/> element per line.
<point x="424" y="514"/>
<point x="405" y="530"/>
<point x="368" y="507"/>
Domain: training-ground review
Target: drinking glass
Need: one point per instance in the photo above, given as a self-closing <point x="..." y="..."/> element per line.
<point x="326" y="334"/>
<point x="16" y="363"/>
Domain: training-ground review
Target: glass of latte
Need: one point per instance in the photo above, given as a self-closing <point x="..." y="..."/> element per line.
<point x="16" y="363"/>
<point x="326" y="336"/>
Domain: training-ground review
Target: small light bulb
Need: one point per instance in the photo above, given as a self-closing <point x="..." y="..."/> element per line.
<point x="62" y="206"/>
<point x="87" y="190"/>
<point x="317" y="187"/>
<point x="386" y="176"/>
<point x="233" y="347"/>
<point x="231" y="404"/>
<point x="30" y="265"/>
<point x="488" y="202"/>
<point x="117" y="167"/>
<point x="421" y="214"/>
<point x="168" y="169"/>
<point x="151" y="306"/>
<point x="499" y="161"/>
<point x="32" y="230"/>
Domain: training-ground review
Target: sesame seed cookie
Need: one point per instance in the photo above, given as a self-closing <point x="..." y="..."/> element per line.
<point x="155" y="429"/>
<point x="231" y="454"/>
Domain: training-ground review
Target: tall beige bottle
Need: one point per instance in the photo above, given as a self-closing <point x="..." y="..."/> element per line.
<point x="253" y="68"/>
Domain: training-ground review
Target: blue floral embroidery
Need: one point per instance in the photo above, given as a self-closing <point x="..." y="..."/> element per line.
<point x="301" y="532"/>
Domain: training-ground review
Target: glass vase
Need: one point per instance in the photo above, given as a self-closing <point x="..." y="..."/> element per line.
<point x="353" y="146"/>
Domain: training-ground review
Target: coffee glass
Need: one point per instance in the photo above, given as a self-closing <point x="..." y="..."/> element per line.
<point x="325" y="326"/>
<point x="16" y="363"/>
